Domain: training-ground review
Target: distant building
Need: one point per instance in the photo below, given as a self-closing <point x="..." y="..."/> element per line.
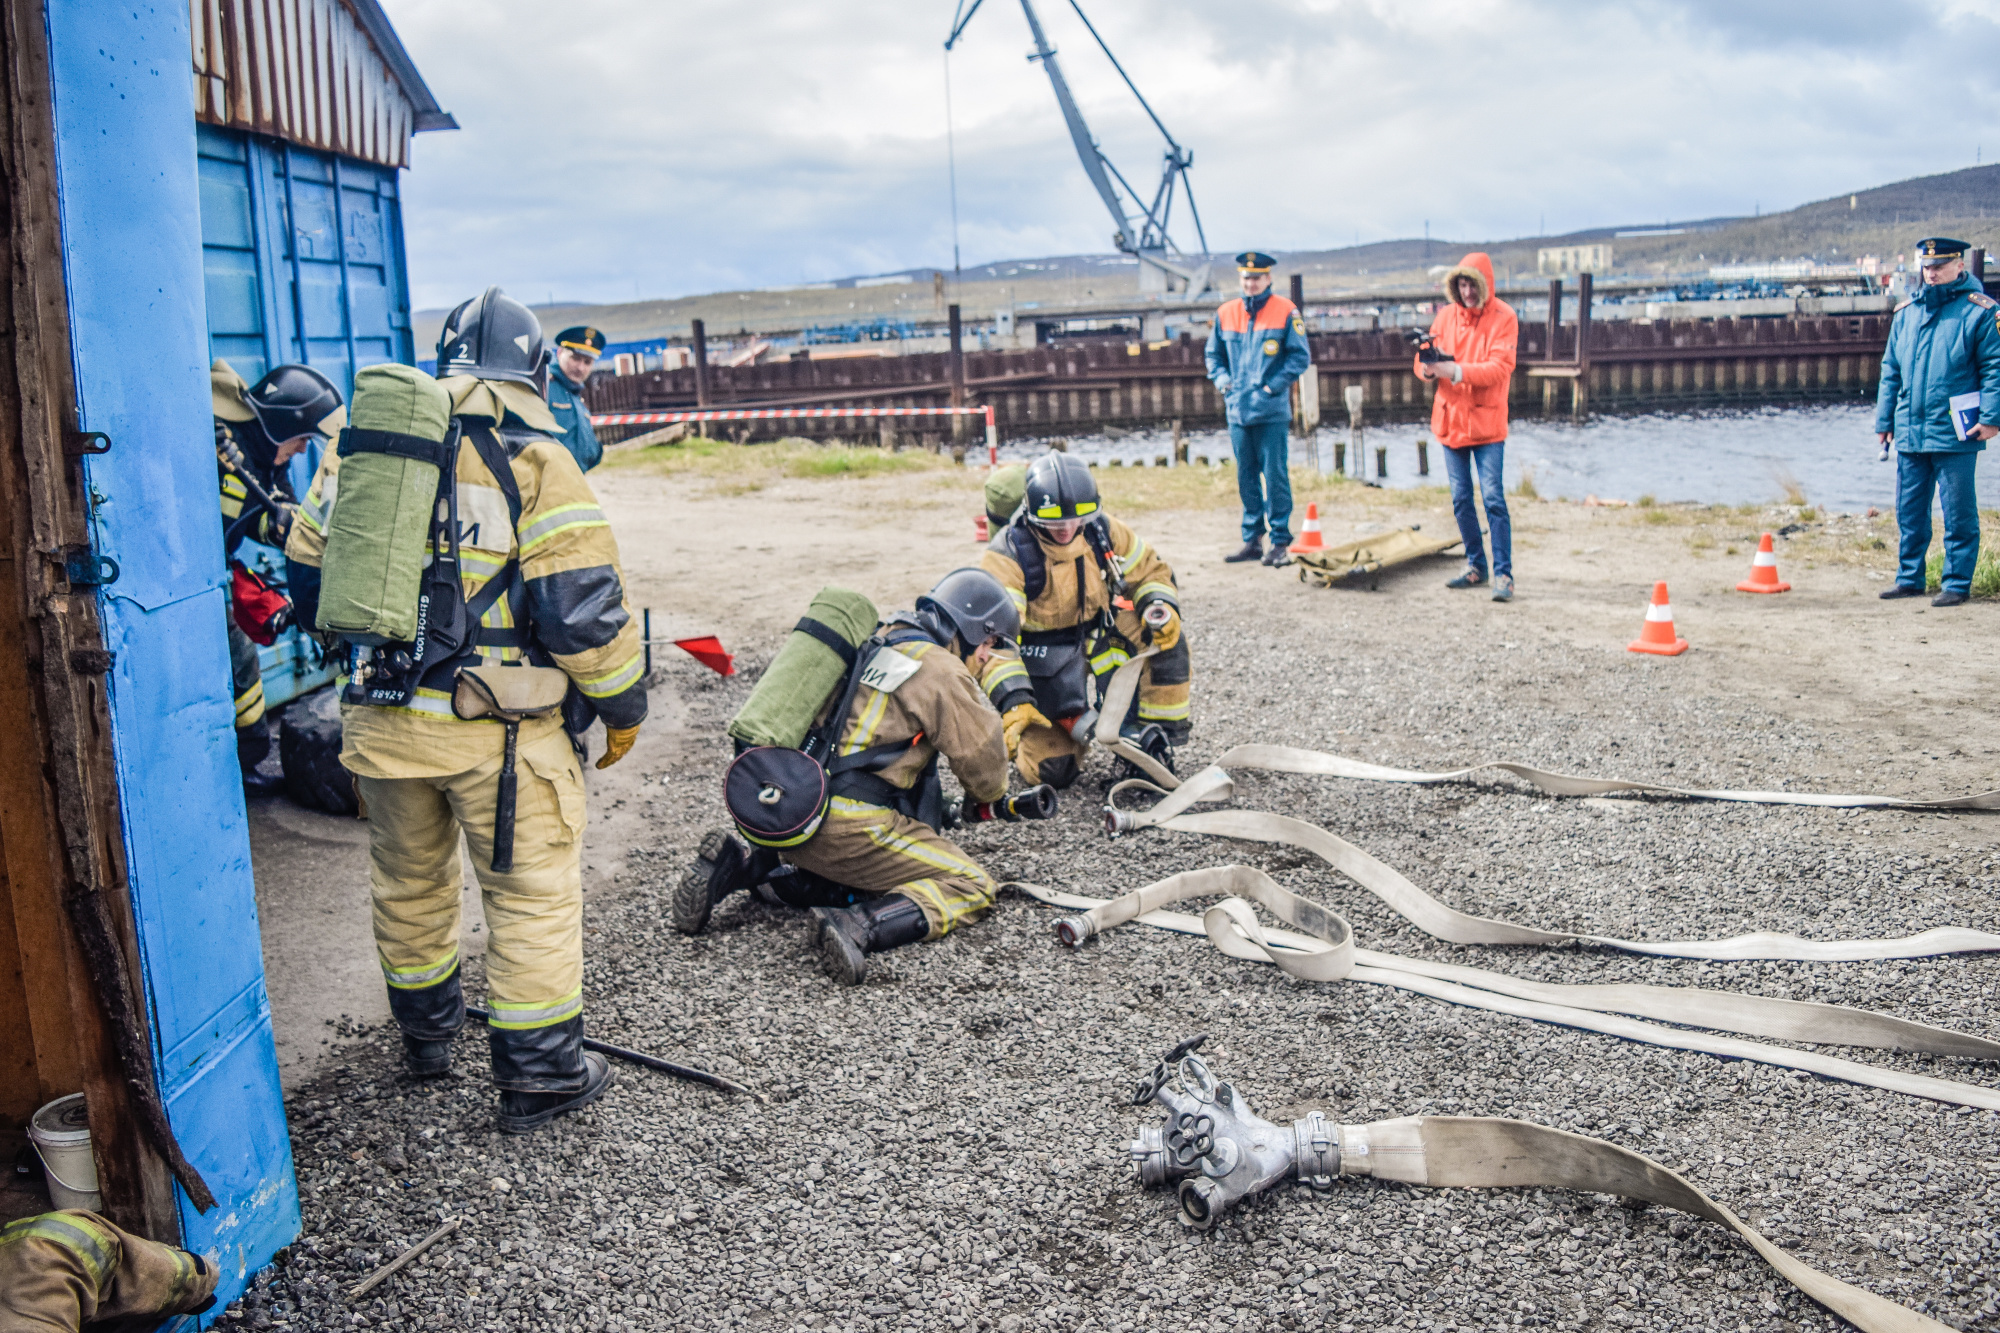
<point x="1573" y="258"/>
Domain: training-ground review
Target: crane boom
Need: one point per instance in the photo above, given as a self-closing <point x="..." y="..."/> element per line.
<point x="1151" y="245"/>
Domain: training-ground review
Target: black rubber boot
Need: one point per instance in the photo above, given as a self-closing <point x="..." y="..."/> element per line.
<point x="1252" y="550"/>
<point x="426" y="1059"/>
<point x="847" y="935"/>
<point x="724" y="864"/>
<point x="522" y="1112"/>
<point x="430" y="1017"/>
<point x="1279" y="556"/>
<point x="544" y="1072"/>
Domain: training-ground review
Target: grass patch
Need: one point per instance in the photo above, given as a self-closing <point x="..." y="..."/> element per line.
<point x="1985" y="573"/>
<point x="1525" y="487"/>
<point x="1657" y="517"/>
<point x="733" y="469"/>
<point x="1647" y="502"/>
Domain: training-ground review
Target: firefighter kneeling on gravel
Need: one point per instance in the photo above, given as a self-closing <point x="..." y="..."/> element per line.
<point x="466" y="563"/>
<point x="1090" y="592"/>
<point x="837" y="775"/>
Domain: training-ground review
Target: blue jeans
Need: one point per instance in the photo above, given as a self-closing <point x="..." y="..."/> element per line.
<point x="1950" y="475"/>
<point x="1458" y="465"/>
<point x="1264" y="478"/>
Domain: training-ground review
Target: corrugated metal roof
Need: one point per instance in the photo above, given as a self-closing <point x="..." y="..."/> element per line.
<point x="329" y="74"/>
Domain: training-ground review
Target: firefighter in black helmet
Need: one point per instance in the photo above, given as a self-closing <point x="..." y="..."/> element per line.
<point x="1085" y="584"/>
<point x="428" y="774"/>
<point x="877" y="872"/>
<point x="258" y="430"/>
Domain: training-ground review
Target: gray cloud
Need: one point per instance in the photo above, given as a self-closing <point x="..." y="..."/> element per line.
<point x="658" y="147"/>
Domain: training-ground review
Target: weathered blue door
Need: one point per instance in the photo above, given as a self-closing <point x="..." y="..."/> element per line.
<point x="133" y="255"/>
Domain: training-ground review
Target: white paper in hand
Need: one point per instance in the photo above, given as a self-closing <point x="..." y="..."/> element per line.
<point x="1964" y="413"/>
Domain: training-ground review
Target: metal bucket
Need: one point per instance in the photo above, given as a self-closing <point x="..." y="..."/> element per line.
<point x="60" y="1132"/>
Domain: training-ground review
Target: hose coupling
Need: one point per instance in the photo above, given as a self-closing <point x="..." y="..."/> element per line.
<point x="1074" y="930"/>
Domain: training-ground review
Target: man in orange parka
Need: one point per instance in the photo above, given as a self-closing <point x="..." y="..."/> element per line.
<point x="1475" y="335"/>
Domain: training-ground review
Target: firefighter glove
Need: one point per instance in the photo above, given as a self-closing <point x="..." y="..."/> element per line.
<point x="1017" y="720"/>
<point x="617" y="744"/>
<point x="1164" y="637"/>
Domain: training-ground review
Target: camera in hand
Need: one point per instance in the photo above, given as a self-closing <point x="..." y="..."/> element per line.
<point x="1426" y="345"/>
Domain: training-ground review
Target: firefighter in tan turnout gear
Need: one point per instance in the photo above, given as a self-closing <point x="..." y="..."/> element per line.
<point x="856" y="821"/>
<point x="72" y="1270"/>
<point x="462" y="729"/>
<point x="1091" y="592"/>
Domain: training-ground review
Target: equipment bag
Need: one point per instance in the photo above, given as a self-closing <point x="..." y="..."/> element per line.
<point x="393" y="454"/>
<point x="1059" y="671"/>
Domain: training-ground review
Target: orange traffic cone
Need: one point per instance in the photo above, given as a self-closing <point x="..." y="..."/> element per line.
<point x="979" y="533"/>
<point x="1658" y="634"/>
<point x="1309" y="538"/>
<point x="1764" y="571"/>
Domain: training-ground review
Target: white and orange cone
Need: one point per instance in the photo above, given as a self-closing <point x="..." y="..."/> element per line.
<point x="1309" y="538"/>
<point x="1658" y="634"/>
<point x="1764" y="571"/>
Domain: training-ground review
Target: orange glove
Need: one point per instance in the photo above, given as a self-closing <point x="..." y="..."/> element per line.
<point x="617" y="744"/>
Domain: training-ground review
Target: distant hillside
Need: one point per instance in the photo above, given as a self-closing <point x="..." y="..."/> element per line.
<point x="1884" y="221"/>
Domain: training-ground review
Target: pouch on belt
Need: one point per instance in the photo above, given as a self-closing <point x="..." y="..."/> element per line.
<point x="512" y="693"/>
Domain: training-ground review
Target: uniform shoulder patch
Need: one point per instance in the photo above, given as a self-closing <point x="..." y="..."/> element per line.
<point x="1298" y="325"/>
<point x="888" y="669"/>
<point x="1981" y="299"/>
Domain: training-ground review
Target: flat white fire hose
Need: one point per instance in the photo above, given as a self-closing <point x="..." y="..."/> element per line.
<point x="1326" y="950"/>
<point x="1452" y="1151"/>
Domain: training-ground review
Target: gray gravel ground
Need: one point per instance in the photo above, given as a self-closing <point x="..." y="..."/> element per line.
<point x="944" y="1147"/>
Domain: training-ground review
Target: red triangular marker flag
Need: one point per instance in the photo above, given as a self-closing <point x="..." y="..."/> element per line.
<point x="708" y="651"/>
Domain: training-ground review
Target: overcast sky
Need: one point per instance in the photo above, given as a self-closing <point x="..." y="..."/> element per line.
<point x="618" y="149"/>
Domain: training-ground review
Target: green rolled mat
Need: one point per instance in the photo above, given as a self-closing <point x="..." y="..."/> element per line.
<point x="793" y="689"/>
<point x="391" y="458"/>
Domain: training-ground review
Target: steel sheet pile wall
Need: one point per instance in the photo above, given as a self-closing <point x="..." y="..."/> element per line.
<point x="303" y="70"/>
<point x="1080" y="386"/>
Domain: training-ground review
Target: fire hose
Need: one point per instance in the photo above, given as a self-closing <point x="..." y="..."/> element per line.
<point x="1326" y="951"/>
<point x="1219" y="1152"/>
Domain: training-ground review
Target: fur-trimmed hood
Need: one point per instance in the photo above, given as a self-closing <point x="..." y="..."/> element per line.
<point x="1477" y="267"/>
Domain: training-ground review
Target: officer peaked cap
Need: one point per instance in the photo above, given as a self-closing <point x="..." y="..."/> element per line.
<point x="582" y="338"/>
<point x="1255" y="261"/>
<point x="1934" y="250"/>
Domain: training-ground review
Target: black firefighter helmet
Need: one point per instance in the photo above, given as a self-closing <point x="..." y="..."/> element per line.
<point x="1060" y="489"/>
<point x="493" y="337"/>
<point x="292" y="401"/>
<point x="971" y="603"/>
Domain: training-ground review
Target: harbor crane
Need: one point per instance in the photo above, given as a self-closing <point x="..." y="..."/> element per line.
<point x="1142" y="230"/>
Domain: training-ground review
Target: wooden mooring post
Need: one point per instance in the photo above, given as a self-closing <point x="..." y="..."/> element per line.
<point x="1579" y="393"/>
<point x="1354" y="395"/>
<point x="956" y="365"/>
<point x="700" y="365"/>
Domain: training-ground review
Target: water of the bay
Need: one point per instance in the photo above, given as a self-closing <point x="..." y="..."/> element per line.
<point x="1825" y="453"/>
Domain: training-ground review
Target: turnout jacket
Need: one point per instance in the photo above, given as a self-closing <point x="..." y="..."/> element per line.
<point x="935" y="701"/>
<point x="570" y="588"/>
<point x="1943" y="342"/>
<point x="571" y="411"/>
<point x="1067" y="591"/>
<point x="1255" y="350"/>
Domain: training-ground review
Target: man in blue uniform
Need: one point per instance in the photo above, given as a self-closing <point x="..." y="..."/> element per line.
<point x="1939" y="404"/>
<point x="1256" y="349"/>
<point x="577" y="350"/>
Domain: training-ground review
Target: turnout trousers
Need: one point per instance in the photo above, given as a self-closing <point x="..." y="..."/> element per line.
<point x="1165" y="692"/>
<point x="61" y="1271"/>
<point x="246" y="688"/>
<point x="1950" y="476"/>
<point x="534" y="912"/>
<point x="875" y="850"/>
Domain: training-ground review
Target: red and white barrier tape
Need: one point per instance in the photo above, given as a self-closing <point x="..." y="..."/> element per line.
<point x="779" y="413"/>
